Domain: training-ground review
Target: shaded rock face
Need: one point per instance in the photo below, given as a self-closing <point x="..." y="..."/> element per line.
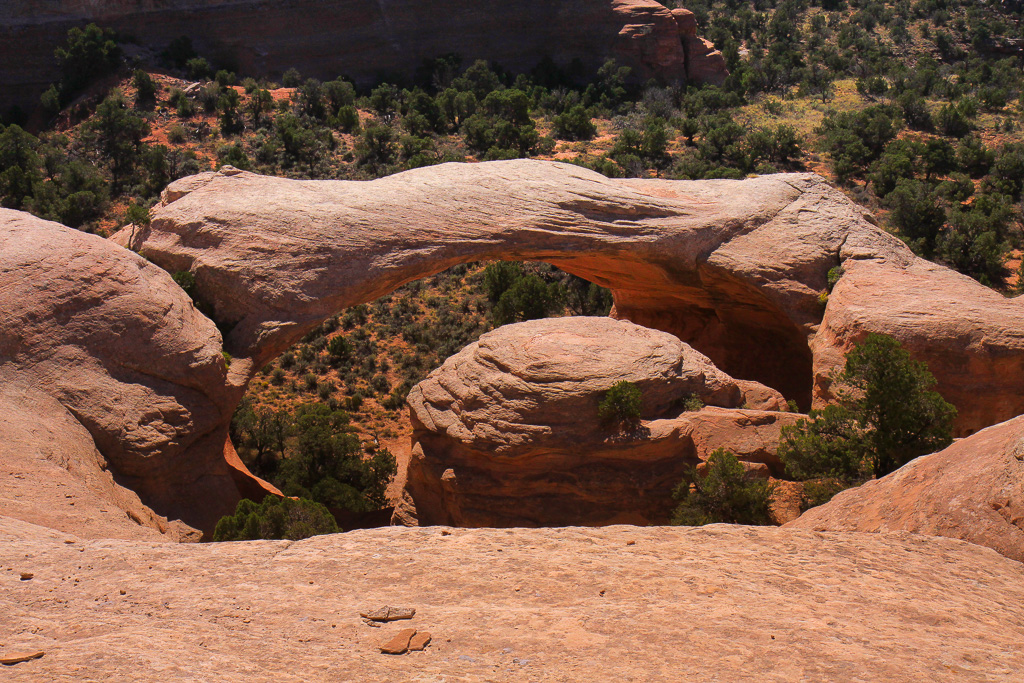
<point x="506" y="432"/>
<point x="364" y="39"/>
<point x="516" y="605"/>
<point x="973" y="490"/>
<point x="105" y="363"/>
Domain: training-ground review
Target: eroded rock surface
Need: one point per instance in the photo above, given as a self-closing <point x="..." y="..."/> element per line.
<point x="973" y="490"/>
<point x="716" y="603"/>
<point x="506" y="432"/>
<point x="109" y="379"/>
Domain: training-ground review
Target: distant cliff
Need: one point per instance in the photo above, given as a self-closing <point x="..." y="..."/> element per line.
<point x="365" y="39"/>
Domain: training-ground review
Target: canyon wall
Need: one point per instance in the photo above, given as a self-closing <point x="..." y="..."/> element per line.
<point x="365" y="39"/>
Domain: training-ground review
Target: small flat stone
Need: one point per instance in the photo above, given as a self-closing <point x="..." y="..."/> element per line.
<point x="19" y="657"/>
<point x="26" y="576"/>
<point x="379" y="614"/>
<point x="396" y="613"/>
<point x="399" y="643"/>
<point x="419" y="641"/>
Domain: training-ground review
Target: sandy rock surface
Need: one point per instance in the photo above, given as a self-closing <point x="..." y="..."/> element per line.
<point x="973" y="490"/>
<point x="712" y="604"/>
<point x="507" y="433"/>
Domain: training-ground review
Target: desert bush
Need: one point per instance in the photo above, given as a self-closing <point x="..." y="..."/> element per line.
<point x="723" y="494"/>
<point x="621" y="406"/>
<point x="275" y="518"/>
<point x="574" y="124"/>
<point x="887" y="414"/>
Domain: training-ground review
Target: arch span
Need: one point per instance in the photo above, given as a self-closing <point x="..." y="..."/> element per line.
<point x="274" y="257"/>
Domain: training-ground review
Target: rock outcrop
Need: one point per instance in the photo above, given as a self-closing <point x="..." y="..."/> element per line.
<point x="506" y="432"/>
<point x="109" y="380"/>
<point x="733" y="268"/>
<point x="657" y="604"/>
<point x="364" y="39"/>
<point x="973" y="490"/>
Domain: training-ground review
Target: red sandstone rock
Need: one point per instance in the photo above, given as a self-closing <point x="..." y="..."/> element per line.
<point x="506" y="432"/>
<point x="733" y="268"/>
<point x="399" y="643"/>
<point x="19" y="657"/>
<point x="105" y="364"/>
<point x="419" y="641"/>
<point x="973" y="490"/>
<point x="682" y="604"/>
<point x="686" y="22"/>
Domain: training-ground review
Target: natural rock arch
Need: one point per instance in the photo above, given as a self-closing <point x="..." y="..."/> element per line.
<point x="735" y="268"/>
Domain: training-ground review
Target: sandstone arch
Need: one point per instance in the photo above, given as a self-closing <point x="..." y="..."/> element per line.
<point x="274" y="257"/>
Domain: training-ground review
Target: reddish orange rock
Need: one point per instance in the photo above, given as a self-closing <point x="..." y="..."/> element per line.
<point x="399" y="643"/>
<point x="419" y="641"/>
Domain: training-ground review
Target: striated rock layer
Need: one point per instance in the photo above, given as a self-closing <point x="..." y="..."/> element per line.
<point x="367" y="39"/>
<point x="109" y="380"/>
<point x="973" y="490"/>
<point x="718" y="603"/>
<point x="506" y="432"/>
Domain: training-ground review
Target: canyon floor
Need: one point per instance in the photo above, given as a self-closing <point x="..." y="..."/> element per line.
<point x="718" y="603"/>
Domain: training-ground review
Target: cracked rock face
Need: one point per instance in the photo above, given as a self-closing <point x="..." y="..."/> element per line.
<point x="506" y="432"/>
<point x="973" y="490"/>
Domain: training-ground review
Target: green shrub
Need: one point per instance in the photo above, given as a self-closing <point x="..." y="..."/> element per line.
<point x="724" y="494"/>
<point x="145" y="88"/>
<point x="574" y="124"/>
<point x="275" y="518"/>
<point x="621" y="406"/>
<point x="886" y="416"/>
<point x="90" y="53"/>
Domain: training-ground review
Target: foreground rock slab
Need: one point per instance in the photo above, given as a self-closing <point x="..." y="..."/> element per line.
<point x="718" y="603"/>
<point x="973" y="490"/>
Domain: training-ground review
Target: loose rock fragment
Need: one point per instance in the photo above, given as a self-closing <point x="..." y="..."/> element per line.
<point x="399" y="643"/>
<point x="19" y="657"/>
<point x="27" y="576"/>
<point x="419" y="641"/>
<point x="387" y="613"/>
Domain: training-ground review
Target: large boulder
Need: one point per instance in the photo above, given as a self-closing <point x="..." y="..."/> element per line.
<point x="111" y="380"/>
<point x="506" y="432"/>
<point x="973" y="490"/>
